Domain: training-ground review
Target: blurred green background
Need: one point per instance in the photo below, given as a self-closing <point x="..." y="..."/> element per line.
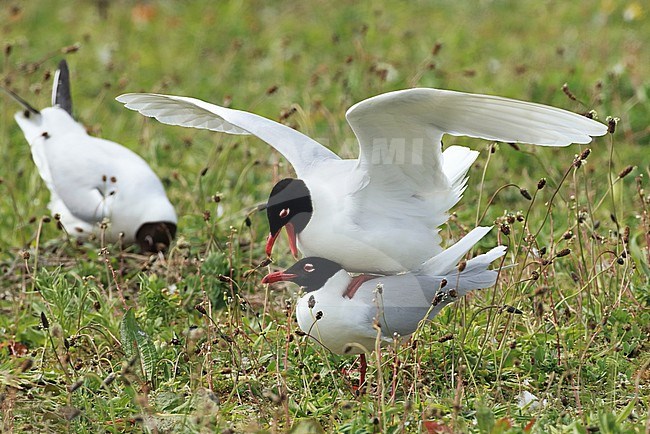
<point x="305" y="64"/>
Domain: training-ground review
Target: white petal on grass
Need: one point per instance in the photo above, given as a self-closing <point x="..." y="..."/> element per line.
<point x="527" y="400"/>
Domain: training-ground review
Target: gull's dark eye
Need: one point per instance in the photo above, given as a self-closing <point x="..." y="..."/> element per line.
<point x="284" y="213"/>
<point x="308" y="268"/>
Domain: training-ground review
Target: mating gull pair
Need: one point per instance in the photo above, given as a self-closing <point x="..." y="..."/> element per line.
<point x="369" y="215"/>
<point x="377" y="214"/>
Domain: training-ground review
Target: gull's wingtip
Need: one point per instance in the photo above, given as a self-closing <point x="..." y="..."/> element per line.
<point x="602" y="129"/>
<point x="128" y="97"/>
<point x="144" y="97"/>
<point x="591" y="127"/>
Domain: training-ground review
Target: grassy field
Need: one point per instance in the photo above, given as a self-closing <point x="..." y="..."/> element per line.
<point x="219" y="351"/>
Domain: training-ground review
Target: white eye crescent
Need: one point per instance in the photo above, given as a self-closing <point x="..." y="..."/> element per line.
<point x="308" y="268"/>
<point x="285" y="212"/>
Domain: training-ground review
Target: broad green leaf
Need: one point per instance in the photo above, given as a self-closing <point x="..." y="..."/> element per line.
<point x="639" y="256"/>
<point x="136" y="344"/>
<point x="307" y="426"/>
<point x="623" y="415"/>
<point x="484" y="418"/>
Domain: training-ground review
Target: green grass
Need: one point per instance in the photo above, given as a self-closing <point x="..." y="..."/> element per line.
<point x="219" y="350"/>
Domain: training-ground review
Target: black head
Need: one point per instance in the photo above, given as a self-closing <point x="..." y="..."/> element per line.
<point x="289" y="202"/>
<point x="155" y="236"/>
<point x="310" y="273"/>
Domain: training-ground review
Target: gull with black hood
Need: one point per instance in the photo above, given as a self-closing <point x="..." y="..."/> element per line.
<point x="349" y="318"/>
<point x="382" y="211"/>
<point x="97" y="187"/>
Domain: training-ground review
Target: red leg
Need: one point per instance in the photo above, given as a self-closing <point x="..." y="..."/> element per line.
<point x="362" y="371"/>
<point x="356" y="284"/>
<point x="363" y="367"/>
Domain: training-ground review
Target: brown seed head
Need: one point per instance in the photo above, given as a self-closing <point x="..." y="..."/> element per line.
<point x="611" y="124"/>
<point x="567" y="92"/>
<point x="26" y="365"/>
<point x="625" y="172"/>
<point x="438" y="298"/>
<point x="541" y="290"/>
<point x="563" y="252"/>
<point x="71" y="48"/>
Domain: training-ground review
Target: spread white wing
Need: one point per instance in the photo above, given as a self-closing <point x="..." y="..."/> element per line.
<point x="300" y="150"/>
<point x="400" y="134"/>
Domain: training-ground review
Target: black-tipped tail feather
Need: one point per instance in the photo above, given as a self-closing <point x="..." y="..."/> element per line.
<point x="61" y="95"/>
